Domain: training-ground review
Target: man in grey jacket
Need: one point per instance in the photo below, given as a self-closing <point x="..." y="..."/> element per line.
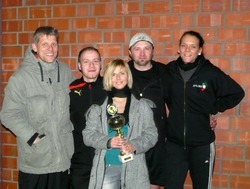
<point x="36" y="110"/>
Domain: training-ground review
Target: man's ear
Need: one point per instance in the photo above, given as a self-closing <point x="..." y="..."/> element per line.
<point x="34" y="47"/>
<point x="79" y="66"/>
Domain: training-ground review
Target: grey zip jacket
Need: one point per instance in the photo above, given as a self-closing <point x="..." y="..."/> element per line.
<point x="142" y="133"/>
<point x="37" y="103"/>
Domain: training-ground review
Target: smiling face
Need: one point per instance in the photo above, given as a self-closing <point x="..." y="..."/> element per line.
<point x="46" y="48"/>
<point x="189" y="48"/>
<point x="142" y="54"/>
<point x="119" y="78"/>
<point x="90" y="65"/>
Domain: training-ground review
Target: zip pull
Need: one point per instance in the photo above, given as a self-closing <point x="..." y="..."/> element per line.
<point x="90" y="86"/>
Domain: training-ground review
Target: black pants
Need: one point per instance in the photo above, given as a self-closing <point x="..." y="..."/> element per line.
<point x="79" y="178"/>
<point x="199" y="161"/>
<point x="58" y="180"/>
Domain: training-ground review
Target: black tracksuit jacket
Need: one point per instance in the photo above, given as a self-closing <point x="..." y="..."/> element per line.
<point x="208" y="91"/>
<point x="82" y="96"/>
<point x="151" y="85"/>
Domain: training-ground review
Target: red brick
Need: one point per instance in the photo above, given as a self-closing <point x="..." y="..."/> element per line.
<point x="109" y="22"/>
<point x="67" y="37"/>
<point x="9" y="185"/>
<point x="83" y="23"/>
<point x="72" y="62"/>
<point x="231" y="152"/>
<point x="40" y="12"/>
<point x="243" y="5"/>
<point x="9" y="150"/>
<point x="186" y="6"/>
<point x="238" y="19"/>
<point x="236" y="167"/>
<point x="6" y="76"/>
<point x="223" y="122"/>
<point x="137" y="21"/>
<point x="25" y="38"/>
<point x="223" y="136"/>
<point x="239" y="181"/>
<point x="116" y="36"/>
<point x="9" y="38"/>
<point x="210" y="19"/>
<point x="11" y="26"/>
<point x="239" y="64"/>
<point x="11" y="51"/>
<point x="90" y="37"/>
<point x="32" y="2"/>
<point x="60" y="24"/>
<point x="64" y="50"/>
<point x="82" y="10"/>
<point x="7" y="174"/>
<point x="240" y="123"/>
<point x="209" y="34"/>
<point x="214" y="49"/>
<point x="10" y="13"/>
<point x="9" y="64"/>
<point x="248" y="153"/>
<point x="32" y="25"/>
<point x="215" y="5"/>
<point x="110" y="50"/>
<point x="64" y="11"/>
<point x="223" y="63"/>
<point x="23" y="13"/>
<point x="165" y="21"/>
<point x="128" y="8"/>
<point x="227" y="34"/>
<point x="8" y="3"/>
<point x="220" y="181"/>
<point x="52" y="2"/>
<point x="156" y="7"/>
<point x="103" y="9"/>
<point x="80" y="1"/>
<point x="244" y="137"/>
<point x="10" y="163"/>
<point x="187" y="20"/>
<point x="15" y="175"/>
<point x="233" y="49"/>
<point x="242" y="78"/>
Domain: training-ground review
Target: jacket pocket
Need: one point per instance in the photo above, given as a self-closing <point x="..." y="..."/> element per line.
<point x="40" y="155"/>
<point x="37" y="109"/>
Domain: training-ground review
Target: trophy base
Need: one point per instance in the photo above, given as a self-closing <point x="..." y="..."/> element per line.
<point x="125" y="158"/>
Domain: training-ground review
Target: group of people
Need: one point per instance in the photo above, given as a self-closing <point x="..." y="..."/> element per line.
<point x="143" y="125"/>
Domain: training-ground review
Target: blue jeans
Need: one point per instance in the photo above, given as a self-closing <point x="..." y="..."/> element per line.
<point x="112" y="177"/>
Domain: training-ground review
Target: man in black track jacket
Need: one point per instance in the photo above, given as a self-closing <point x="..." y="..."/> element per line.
<point x="85" y="91"/>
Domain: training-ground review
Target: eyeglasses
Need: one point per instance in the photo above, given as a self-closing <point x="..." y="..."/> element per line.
<point x="88" y="62"/>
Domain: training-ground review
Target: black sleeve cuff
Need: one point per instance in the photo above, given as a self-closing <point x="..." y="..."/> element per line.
<point x="109" y="143"/>
<point x="32" y="139"/>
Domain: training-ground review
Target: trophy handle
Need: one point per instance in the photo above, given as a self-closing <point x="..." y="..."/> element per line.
<point x="120" y="133"/>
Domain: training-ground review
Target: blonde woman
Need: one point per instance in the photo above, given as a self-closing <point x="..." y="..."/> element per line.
<point x="140" y="133"/>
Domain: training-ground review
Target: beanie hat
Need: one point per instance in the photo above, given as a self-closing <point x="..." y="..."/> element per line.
<point x="140" y="37"/>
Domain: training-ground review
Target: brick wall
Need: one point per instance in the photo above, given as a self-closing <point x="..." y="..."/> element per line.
<point x="109" y="24"/>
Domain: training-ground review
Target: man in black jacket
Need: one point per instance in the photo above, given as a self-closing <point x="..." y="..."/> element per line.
<point x="148" y="82"/>
<point x="85" y="91"/>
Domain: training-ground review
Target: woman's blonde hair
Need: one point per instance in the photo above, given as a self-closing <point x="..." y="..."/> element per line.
<point x="107" y="79"/>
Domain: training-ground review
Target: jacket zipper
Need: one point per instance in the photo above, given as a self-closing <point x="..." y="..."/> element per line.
<point x="90" y="93"/>
<point x="184" y="118"/>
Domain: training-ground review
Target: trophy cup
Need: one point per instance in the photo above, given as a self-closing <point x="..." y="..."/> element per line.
<point x="116" y="122"/>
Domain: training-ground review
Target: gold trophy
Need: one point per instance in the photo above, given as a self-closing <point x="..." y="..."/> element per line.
<point x="116" y="122"/>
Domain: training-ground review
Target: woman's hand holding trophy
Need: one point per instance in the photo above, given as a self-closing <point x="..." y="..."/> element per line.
<point x="116" y="122"/>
